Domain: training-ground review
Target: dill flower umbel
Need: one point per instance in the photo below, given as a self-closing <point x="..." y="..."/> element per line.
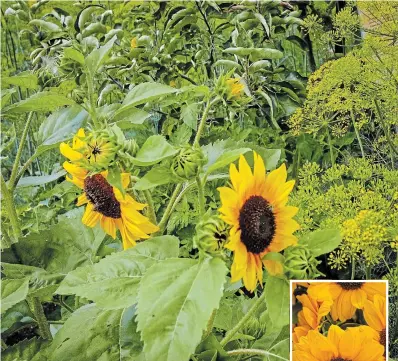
<point x="353" y="344"/>
<point x="346" y="296"/>
<point x="261" y="221"/>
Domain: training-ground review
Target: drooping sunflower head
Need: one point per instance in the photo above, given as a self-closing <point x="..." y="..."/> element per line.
<point x="107" y="205"/>
<point x="353" y="344"/>
<point x="261" y="222"/>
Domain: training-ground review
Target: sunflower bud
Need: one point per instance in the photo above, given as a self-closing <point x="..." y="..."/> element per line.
<point x="254" y="327"/>
<point x="300" y="263"/>
<point x="101" y="149"/>
<point x="188" y="162"/>
<point x="211" y="235"/>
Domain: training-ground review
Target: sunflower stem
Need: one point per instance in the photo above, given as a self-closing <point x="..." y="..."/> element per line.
<point x="10" y="208"/>
<point x="151" y="207"/>
<point x="210" y="324"/>
<point x="254" y="352"/>
<point x="37" y="310"/>
<point x="228" y="337"/>
<point x="202" y="123"/>
<point x="92" y="101"/>
<point x="15" y="166"/>
<point x="368" y="272"/>
<point x="202" y="200"/>
<point x="169" y="208"/>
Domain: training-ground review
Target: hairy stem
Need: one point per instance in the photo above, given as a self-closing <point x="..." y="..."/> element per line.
<point x="254" y="351"/>
<point x="151" y="208"/>
<point x="228" y="337"/>
<point x="15" y="167"/>
<point x="352" y="268"/>
<point x="37" y="310"/>
<point x="201" y="196"/>
<point x="203" y="121"/>
<point x="10" y="208"/>
<point x="169" y="208"/>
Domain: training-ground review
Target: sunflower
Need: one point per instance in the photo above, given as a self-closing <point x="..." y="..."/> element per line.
<point x="375" y="316"/>
<point x="310" y="315"/>
<point x="261" y="221"/>
<point x="89" y="150"/>
<point x="107" y="205"/>
<point x="353" y="344"/>
<point x="346" y="296"/>
<point x="235" y="87"/>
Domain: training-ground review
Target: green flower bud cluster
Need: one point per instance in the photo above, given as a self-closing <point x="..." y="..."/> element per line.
<point x="300" y="263"/>
<point x="211" y="235"/>
<point x="254" y="327"/>
<point x="188" y="162"/>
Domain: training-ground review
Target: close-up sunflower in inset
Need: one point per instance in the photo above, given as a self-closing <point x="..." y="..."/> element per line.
<point x="346" y="296"/>
<point x="255" y="207"/>
<point x="107" y="205"/>
<point x="375" y="313"/>
<point x="353" y="344"/>
<point x="310" y="315"/>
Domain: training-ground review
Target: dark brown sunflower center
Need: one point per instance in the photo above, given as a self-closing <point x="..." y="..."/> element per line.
<point x="100" y="193"/>
<point x="350" y="285"/>
<point x="383" y="338"/>
<point x="257" y="224"/>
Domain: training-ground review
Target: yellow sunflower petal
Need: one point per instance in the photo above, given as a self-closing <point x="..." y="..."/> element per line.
<point x="236" y="273"/>
<point x="76" y="181"/>
<point x="109" y="226"/>
<point x="82" y="199"/>
<point x="350" y="344"/>
<point x="374" y="318"/>
<point x="241" y="256"/>
<point x="234" y="176"/>
<point x="370" y="351"/>
<point x="374" y="288"/>
<point x="78" y="143"/>
<point x="90" y="217"/>
<point x="249" y="278"/>
<point x="75" y="170"/>
<point x="228" y="197"/>
<point x="259" y="172"/>
<point x="69" y="153"/>
<point x="125" y="180"/>
<point x="273" y="182"/>
<point x="234" y="239"/>
<point x="358" y="298"/>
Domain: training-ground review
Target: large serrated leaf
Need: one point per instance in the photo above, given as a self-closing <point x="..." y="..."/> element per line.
<point x="155" y="149"/>
<point x="144" y="92"/>
<point x="90" y="334"/>
<point x="322" y="241"/>
<point x="59" y="126"/>
<point x="113" y="282"/>
<point x="172" y="311"/>
<point x="13" y="291"/>
<point x="25" y="350"/>
<point x="25" y="79"/>
<point x="40" y="102"/>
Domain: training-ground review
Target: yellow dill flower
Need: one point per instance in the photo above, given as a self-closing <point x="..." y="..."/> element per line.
<point x="353" y="344"/>
<point x="261" y="221"/>
<point x="235" y="88"/>
<point x="375" y="313"/>
<point x="346" y="296"/>
<point x="134" y="43"/>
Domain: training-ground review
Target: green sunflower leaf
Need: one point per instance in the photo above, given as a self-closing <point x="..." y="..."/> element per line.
<point x="25" y="350"/>
<point x="109" y="335"/>
<point x="13" y="291"/>
<point x="172" y="309"/>
<point x="113" y="282"/>
<point x="322" y="241"/>
<point x="154" y="150"/>
<point x="278" y="300"/>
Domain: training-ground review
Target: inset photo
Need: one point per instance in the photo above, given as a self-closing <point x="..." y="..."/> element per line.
<point x="339" y="320"/>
